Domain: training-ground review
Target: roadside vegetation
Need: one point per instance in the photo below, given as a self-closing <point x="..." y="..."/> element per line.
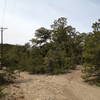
<point x="56" y="51"/>
<point x="91" y="55"/>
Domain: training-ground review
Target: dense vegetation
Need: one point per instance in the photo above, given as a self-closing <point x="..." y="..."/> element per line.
<point x="91" y="53"/>
<point x="57" y="50"/>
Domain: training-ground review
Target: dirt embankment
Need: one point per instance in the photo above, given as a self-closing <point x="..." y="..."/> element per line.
<point x="57" y="87"/>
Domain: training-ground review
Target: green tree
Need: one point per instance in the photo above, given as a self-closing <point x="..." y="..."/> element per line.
<point x="64" y="37"/>
<point x="42" y="36"/>
<point x="91" y="53"/>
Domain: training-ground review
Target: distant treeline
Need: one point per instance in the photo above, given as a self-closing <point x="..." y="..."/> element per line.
<point x="57" y="50"/>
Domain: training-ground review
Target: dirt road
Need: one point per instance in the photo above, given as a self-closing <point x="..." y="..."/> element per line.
<point x="57" y="87"/>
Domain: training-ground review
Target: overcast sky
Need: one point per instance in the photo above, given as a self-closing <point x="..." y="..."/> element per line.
<point x="23" y="17"/>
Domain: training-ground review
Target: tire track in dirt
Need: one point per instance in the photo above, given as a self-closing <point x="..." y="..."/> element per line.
<point x="56" y="87"/>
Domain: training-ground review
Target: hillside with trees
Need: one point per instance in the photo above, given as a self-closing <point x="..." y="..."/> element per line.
<point x="57" y="50"/>
<point x="53" y="51"/>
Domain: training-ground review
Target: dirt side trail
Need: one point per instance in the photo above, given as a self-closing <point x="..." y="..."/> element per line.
<point x="57" y="87"/>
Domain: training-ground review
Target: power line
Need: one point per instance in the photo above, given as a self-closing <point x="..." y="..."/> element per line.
<point x="2" y="30"/>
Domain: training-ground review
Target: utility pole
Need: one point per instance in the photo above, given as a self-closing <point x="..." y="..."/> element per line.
<point x="1" y="53"/>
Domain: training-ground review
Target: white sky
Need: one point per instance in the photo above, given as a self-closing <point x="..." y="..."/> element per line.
<point x="23" y="17"/>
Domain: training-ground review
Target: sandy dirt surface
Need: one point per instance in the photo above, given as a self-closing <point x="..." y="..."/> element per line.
<point x="53" y="87"/>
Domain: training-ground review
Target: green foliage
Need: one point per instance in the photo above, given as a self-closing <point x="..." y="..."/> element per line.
<point x="2" y="80"/>
<point x="42" y="35"/>
<point x="37" y="61"/>
<point x="54" y="51"/>
<point x="1" y="91"/>
<point x="15" y="57"/>
<point x="54" y="61"/>
<point x="5" y="79"/>
<point x="91" y="54"/>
